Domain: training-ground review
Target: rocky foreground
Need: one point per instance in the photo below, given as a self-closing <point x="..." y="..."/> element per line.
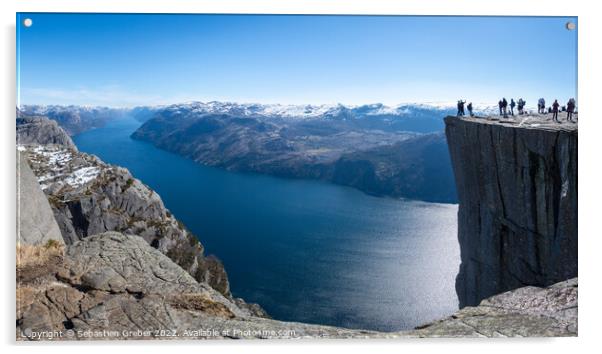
<point x="114" y="286"/>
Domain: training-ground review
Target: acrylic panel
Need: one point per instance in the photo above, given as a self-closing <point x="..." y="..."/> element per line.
<point x="212" y="176"/>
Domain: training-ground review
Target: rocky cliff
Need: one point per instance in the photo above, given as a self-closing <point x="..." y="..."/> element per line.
<point x="41" y="130"/>
<point x="517" y="189"/>
<point x="89" y="197"/>
<point x="36" y="224"/>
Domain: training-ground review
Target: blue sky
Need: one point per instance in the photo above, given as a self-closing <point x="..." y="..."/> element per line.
<point x="128" y="60"/>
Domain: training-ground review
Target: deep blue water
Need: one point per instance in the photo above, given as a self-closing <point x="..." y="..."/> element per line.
<point x="304" y="250"/>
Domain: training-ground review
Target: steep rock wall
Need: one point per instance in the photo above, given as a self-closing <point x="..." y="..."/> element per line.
<point x="35" y="219"/>
<point x="517" y="219"/>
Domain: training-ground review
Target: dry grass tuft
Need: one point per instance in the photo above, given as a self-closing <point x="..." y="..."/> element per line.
<point x="201" y="302"/>
<point x="37" y="255"/>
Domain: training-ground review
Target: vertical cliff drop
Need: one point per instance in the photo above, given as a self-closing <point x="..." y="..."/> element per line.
<point x="517" y="190"/>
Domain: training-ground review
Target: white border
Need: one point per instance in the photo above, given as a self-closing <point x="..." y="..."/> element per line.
<point x="374" y="7"/>
<point x="590" y="177"/>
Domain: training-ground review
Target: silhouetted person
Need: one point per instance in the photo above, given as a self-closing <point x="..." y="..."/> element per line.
<point x="521" y="105"/>
<point x="461" y="108"/>
<point x="555" y="106"/>
<point x="512" y="104"/>
<point x="549" y="109"/>
<point x="470" y="109"/>
<point x="570" y="109"/>
<point x="505" y="107"/>
<point x="500" y="104"/>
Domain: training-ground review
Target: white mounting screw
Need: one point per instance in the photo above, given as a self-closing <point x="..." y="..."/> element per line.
<point x="570" y="26"/>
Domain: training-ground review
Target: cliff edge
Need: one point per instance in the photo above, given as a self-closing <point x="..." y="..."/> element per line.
<point x="517" y="191"/>
<point x="40" y="130"/>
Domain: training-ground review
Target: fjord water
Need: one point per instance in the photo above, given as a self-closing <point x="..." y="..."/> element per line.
<point x="306" y="251"/>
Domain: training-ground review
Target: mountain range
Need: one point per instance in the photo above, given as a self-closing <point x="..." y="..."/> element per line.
<point x="397" y="151"/>
<point x="420" y="117"/>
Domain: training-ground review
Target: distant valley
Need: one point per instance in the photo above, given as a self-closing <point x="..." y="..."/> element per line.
<point x="398" y="152"/>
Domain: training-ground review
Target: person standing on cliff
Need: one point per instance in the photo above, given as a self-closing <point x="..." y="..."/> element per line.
<point x="541" y="106"/>
<point x="505" y="107"/>
<point x="555" y="106"/>
<point x="512" y="104"/>
<point x="570" y="108"/>
<point x="500" y="104"/>
<point x="470" y="109"/>
<point x="461" y="108"/>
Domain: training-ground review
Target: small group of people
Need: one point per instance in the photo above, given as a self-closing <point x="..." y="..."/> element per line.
<point x="520" y="104"/>
<point x="541" y="106"/>
<point x="569" y="109"/>
<point x="503" y="106"/>
<point x="461" y="108"/>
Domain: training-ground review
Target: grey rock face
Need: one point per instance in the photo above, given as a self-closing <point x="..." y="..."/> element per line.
<point x="35" y="219"/>
<point x="517" y="188"/>
<point x="41" y="130"/>
<point x="89" y="197"/>
<point x="117" y="263"/>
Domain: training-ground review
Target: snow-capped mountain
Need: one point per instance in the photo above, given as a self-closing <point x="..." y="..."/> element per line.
<point x="50" y="110"/>
<point x="298" y="111"/>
